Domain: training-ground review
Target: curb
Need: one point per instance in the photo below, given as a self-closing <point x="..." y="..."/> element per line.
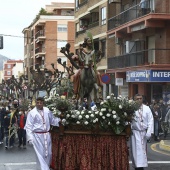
<point x="164" y="146"/>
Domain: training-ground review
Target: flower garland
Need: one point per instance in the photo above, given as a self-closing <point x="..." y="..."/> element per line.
<point x="113" y="114"/>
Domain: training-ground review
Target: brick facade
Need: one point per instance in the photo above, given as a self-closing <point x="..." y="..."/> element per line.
<point x="143" y="38"/>
<point x="45" y="36"/>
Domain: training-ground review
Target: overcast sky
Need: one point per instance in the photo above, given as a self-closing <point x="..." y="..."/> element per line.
<point x="15" y="15"/>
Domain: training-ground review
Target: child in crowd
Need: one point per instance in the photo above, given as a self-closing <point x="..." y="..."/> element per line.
<point x="21" y="130"/>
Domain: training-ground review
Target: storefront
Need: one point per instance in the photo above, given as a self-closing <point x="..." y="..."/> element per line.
<point x="151" y="83"/>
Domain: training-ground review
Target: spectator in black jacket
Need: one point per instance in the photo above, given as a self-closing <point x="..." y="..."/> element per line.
<point x="6" y="127"/>
<point x="10" y="122"/>
<point x="2" y="114"/>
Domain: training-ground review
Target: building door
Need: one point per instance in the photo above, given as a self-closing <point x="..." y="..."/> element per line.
<point x="135" y="89"/>
<point x="148" y="93"/>
<point x="156" y="91"/>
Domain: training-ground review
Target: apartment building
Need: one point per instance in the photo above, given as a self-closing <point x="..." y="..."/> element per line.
<point x="92" y="16"/>
<point x="44" y="38"/>
<point x="138" y="47"/>
<point x="8" y="67"/>
<point x="18" y="70"/>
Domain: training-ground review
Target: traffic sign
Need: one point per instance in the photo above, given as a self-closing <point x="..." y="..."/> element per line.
<point x="25" y="87"/>
<point x="105" y="78"/>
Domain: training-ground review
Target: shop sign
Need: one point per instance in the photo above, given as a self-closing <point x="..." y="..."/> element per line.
<point x="160" y="75"/>
<point x="137" y="76"/>
<point x="119" y="82"/>
<point x="148" y="76"/>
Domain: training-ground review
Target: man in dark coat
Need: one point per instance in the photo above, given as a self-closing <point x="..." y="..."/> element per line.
<point x="2" y="114"/>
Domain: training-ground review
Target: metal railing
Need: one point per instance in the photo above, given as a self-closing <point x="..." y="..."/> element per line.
<point x="40" y="50"/>
<point x="80" y="32"/>
<point x="95" y="24"/>
<point x="83" y="3"/>
<point x="135" y="12"/>
<point x="32" y="38"/>
<point x="150" y="56"/>
<point x="40" y="33"/>
<point x="92" y="25"/>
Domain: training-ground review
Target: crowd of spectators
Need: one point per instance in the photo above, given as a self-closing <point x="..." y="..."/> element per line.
<point x="12" y="122"/>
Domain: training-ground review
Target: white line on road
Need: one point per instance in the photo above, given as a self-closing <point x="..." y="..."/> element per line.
<point x="156" y="162"/>
<point x="24" y="163"/>
<point x="33" y="163"/>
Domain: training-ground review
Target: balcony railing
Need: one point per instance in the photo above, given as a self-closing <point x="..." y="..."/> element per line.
<point x="83" y="3"/>
<point x="95" y="24"/>
<point x="40" y="50"/>
<point x="92" y="25"/>
<point x="139" y="58"/>
<point x="40" y="33"/>
<point x="80" y="32"/>
<point x="32" y="39"/>
<point x="133" y="13"/>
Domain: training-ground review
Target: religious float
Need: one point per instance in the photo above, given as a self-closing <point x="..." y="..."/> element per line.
<point x="89" y="139"/>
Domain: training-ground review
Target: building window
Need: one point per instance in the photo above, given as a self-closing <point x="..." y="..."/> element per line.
<point x="8" y="73"/>
<point x="9" y="66"/>
<point x="62" y="28"/>
<point x="103" y="15"/>
<point x="61" y="44"/>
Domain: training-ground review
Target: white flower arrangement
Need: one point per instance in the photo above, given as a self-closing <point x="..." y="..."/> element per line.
<point x="111" y="115"/>
<point x="55" y="103"/>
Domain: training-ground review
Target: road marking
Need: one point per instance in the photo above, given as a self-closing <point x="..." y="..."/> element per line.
<point x="153" y="147"/>
<point x="156" y="162"/>
<point x="24" y="163"/>
<point x="33" y="163"/>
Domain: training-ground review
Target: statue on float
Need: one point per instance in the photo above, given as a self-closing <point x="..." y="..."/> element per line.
<point x="87" y="80"/>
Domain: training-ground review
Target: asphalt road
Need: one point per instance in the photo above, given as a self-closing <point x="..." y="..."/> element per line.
<point x="157" y="159"/>
<point x="17" y="159"/>
<point x="24" y="159"/>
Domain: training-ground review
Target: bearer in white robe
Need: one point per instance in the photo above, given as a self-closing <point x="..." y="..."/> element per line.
<point x="37" y="128"/>
<point x="142" y="128"/>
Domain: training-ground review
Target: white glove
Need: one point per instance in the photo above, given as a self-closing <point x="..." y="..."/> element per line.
<point x="148" y="136"/>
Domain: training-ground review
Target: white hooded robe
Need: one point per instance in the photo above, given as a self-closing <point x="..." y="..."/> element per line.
<point x="142" y="128"/>
<point x="41" y="141"/>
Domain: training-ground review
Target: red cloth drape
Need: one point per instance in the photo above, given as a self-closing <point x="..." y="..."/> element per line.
<point x="89" y="152"/>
